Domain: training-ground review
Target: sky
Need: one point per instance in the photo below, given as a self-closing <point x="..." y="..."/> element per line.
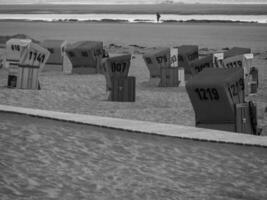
<point x="130" y="1"/>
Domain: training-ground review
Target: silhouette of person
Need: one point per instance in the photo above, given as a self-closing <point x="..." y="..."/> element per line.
<point x="158" y="17"/>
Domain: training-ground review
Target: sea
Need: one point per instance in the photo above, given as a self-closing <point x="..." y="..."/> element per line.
<point x="136" y="18"/>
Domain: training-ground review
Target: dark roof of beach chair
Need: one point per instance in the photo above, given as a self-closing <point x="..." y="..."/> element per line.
<point x="53" y="43"/>
<point x="84" y="45"/>
<point x="235" y="51"/>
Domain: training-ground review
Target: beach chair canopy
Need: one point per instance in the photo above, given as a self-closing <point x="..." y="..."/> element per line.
<point x="198" y="65"/>
<point x="53" y="43"/>
<point x="186" y="54"/>
<point x="214" y="93"/>
<point x="2" y="58"/>
<point x="235" y="51"/>
<point x="15" y="47"/>
<point x="116" y="66"/>
<point x="56" y="49"/>
<point x="244" y="61"/>
<point x="155" y="59"/>
<point x="84" y="53"/>
<point x="35" y="55"/>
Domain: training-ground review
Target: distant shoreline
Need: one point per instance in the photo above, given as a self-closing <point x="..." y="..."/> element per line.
<point x="193" y="21"/>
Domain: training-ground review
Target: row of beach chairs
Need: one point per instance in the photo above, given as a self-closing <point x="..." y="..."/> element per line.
<point x="217" y="83"/>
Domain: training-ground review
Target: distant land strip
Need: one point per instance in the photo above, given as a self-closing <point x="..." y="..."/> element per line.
<point x="181" y="9"/>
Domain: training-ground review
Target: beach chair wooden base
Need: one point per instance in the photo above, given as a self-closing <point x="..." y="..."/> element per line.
<point x="169" y="77"/>
<point x="245" y="121"/>
<point x="28" y="77"/>
<point x="123" y="89"/>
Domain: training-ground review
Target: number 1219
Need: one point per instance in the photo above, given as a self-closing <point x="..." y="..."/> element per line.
<point x="207" y="94"/>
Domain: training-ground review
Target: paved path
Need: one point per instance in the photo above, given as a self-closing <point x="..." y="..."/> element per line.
<point x="144" y="127"/>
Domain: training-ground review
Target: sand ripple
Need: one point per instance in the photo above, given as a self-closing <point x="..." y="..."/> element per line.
<point x="43" y="159"/>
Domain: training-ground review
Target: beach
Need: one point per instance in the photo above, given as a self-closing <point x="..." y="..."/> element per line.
<point x="49" y="159"/>
<point x="86" y="94"/>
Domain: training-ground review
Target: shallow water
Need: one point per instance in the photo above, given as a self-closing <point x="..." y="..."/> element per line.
<point x="45" y="159"/>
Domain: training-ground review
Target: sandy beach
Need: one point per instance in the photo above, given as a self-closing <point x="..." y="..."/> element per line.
<point x="86" y="93"/>
<point x="45" y="159"/>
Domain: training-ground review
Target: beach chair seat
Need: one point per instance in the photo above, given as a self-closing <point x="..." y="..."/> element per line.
<point x="169" y="77"/>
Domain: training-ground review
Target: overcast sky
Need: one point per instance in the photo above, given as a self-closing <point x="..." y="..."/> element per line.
<point x="129" y="1"/>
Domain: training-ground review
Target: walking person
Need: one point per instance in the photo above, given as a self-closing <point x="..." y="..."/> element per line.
<point x="158" y="17"/>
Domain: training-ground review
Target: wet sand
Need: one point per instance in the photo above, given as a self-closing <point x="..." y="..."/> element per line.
<point x="206" y="35"/>
<point x="44" y="159"/>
